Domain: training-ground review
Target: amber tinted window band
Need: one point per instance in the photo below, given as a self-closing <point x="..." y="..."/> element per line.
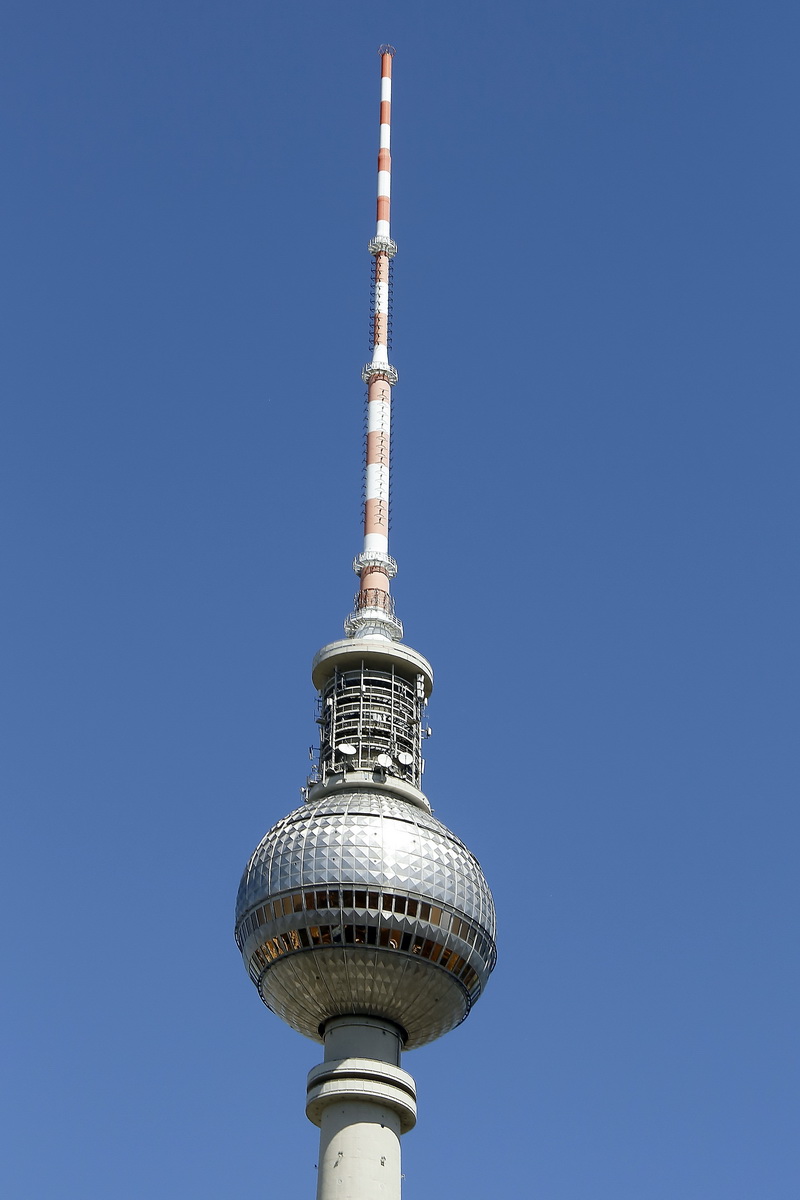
<point x="282" y="944"/>
<point x="385" y="902"/>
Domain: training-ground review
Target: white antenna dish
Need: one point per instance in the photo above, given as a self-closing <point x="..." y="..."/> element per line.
<point x="346" y="749"/>
<point x="383" y="760"/>
<point x="405" y="759"/>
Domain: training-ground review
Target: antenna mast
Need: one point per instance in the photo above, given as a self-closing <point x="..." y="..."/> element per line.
<point x="373" y="615"/>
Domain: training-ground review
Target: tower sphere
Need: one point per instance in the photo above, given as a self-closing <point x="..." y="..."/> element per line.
<point x="362" y="903"/>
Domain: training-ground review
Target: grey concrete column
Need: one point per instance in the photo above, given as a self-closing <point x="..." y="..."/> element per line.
<point x="362" y="1102"/>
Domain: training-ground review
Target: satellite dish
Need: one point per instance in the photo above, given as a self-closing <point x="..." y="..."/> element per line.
<point x="383" y="760"/>
<point x="346" y="749"/>
<point x="405" y="759"/>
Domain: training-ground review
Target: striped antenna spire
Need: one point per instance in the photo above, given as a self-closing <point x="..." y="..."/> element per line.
<point x="374" y="606"/>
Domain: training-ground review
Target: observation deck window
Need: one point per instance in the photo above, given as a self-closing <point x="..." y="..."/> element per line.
<point x="370" y="933"/>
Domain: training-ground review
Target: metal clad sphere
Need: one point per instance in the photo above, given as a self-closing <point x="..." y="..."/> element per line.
<point x="362" y="903"/>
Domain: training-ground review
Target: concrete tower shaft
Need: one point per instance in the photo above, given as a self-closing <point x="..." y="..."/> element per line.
<point x="362" y="1102"/>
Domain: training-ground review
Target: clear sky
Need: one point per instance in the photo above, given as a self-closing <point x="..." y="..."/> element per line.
<point x="595" y="506"/>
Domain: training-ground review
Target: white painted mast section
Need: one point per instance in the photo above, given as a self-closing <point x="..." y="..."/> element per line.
<point x="374" y="607"/>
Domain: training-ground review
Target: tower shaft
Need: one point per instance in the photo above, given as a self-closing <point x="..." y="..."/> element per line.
<point x="362" y="1102"/>
<point x="362" y="920"/>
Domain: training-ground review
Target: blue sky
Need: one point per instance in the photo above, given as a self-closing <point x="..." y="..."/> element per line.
<point x="595" y="504"/>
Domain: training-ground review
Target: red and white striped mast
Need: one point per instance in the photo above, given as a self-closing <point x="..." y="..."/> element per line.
<point x="374" y="607"/>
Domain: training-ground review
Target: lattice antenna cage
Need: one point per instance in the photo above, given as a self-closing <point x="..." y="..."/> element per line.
<point x="377" y="713"/>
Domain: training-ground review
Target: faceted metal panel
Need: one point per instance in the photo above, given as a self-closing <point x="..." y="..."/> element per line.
<point x="308" y="988"/>
<point x="367" y="837"/>
<point x="372" y="840"/>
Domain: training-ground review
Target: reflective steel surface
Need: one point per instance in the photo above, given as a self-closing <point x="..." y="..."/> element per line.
<point x="362" y="903"/>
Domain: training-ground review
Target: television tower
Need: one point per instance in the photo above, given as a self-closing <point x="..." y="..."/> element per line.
<point x="362" y="920"/>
